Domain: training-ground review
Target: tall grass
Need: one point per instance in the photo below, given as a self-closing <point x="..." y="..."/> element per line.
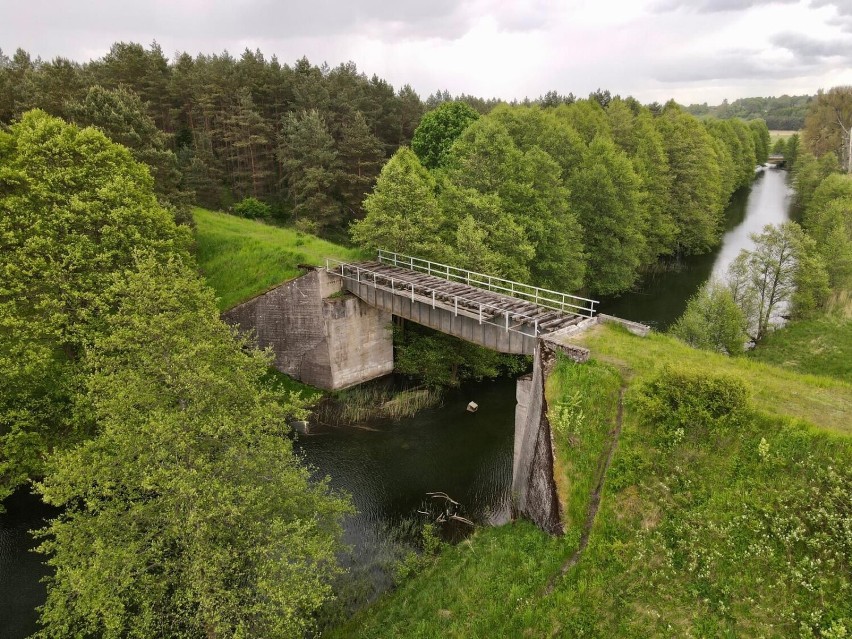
<point x="368" y="402"/>
<point x="242" y="258"/>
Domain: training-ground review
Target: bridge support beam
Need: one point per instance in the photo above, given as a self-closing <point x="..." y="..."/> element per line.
<point x="319" y="336"/>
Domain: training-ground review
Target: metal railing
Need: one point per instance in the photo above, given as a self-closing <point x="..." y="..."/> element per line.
<point x="547" y="298"/>
<point x="483" y="311"/>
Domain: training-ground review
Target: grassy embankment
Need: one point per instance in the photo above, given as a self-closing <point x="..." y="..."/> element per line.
<point x="821" y="346"/>
<point x="242" y="258"/>
<point x="706" y="528"/>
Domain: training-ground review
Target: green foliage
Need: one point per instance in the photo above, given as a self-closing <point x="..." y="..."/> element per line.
<point x="828" y="220"/>
<point x="712" y="321"/>
<point x="75" y="208"/>
<point x="402" y="211"/>
<point x="123" y="118"/>
<point x="310" y="163"/>
<point x="696" y="197"/>
<point x="760" y="134"/>
<point x="582" y="402"/>
<point x="828" y="125"/>
<point x="782" y="113"/>
<point x="439" y="129"/>
<point x="679" y="399"/>
<point x="251" y="208"/>
<point x="782" y="272"/>
<point x="605" y="193"/>
<point x="808" y="174"/>
<point x="187" y="514"/>
<point x="821" y="346"/>
<point x="438" y="359"/>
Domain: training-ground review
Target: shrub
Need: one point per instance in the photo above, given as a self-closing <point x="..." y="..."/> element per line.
<point x="713" y="321"/>
<point x="251" y="207"/>
<point x="680" y="400"/>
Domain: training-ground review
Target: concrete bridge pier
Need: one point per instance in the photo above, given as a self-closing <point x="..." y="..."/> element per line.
<point x="319" y="334"/>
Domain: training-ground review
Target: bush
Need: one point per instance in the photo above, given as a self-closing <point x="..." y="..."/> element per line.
<point x="680" y="400"/>
<point x="712" y="321"/>
<point x="251" y="208"/>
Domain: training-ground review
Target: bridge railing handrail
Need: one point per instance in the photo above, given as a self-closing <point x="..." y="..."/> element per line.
<point x="548" y="298"/>
<point x="341" y="267"/>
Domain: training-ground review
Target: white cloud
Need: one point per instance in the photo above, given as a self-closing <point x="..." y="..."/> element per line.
<point x="693" y="50"/>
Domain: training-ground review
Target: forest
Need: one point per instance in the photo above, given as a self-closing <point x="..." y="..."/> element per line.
<point x="782" y="113"/>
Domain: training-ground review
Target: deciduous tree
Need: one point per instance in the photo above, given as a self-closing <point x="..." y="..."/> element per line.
<point x="187" y="515"/>
<point x="74" y="207"/>
<point x="438" y="129"/>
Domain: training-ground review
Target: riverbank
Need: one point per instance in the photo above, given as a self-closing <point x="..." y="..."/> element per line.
<point x="670" y="502"/>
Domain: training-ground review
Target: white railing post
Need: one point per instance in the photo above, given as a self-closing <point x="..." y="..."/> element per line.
<point x="480" y="313"/>
<point x="412" y="293"/>
<point x="433" y="299"/>
<point x="456" y="304"/>
<point x="448" y="272"/>
<point x="507" y="321"/>
<point x="357" y="274"/>
<point x="394" y="259"/>
<point x="535" y="326"/>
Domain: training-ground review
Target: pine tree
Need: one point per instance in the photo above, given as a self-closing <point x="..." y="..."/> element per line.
<point x="311" y="168"/>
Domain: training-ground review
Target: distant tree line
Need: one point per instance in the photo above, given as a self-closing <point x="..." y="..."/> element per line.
<point x="577" y="196"/>
<point x="784" y="113"/>
<point x="308" y="140"/>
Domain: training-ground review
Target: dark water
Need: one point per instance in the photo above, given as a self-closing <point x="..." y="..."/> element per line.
<point x="661" y="298"/>
<point x="388" y="467"/>
<point x="21" y="569"/>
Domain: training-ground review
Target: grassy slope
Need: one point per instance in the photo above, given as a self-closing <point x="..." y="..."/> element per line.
<point x="820" y="347"/>
<point x="718" y="534"/>
<point x="242" y="258"/>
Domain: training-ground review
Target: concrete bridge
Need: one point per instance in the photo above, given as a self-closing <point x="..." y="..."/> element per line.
<point x="777" y="160"/>
<point x="331" y="328"/>
<point x="493" y="312"/>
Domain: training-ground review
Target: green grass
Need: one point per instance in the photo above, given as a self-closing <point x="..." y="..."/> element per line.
<point x="819" y="347"/>
<point x="242" y="258"/>
<point x="717" y="529"/>
<point x="822" y="401"/>
<point x="582" y="404"/>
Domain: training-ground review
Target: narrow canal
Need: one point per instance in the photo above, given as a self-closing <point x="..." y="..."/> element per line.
<point x="389" y="466"/>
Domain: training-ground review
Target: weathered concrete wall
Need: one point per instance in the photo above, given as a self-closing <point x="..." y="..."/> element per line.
<point x="462" y="325"/>
<point x="533" y="485"/>
<point x="328" y="342"/>
<point x="534" y="489"/>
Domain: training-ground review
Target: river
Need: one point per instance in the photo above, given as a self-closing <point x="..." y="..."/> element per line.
<point x="661" y="298"/>
<point x="388" y="467"/>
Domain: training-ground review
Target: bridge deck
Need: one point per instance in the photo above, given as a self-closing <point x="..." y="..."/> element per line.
<point x="460" y="298"/>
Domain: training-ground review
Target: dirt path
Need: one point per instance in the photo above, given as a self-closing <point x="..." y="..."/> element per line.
<point x="594" y="498"/>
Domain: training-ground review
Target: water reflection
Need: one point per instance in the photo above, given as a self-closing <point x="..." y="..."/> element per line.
<point x="662" y="297"/>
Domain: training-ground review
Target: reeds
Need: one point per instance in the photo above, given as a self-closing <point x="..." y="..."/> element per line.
<point x="365" y="403"/>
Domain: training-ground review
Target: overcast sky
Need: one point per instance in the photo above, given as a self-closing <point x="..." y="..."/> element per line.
<point x="691" y="50"/>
